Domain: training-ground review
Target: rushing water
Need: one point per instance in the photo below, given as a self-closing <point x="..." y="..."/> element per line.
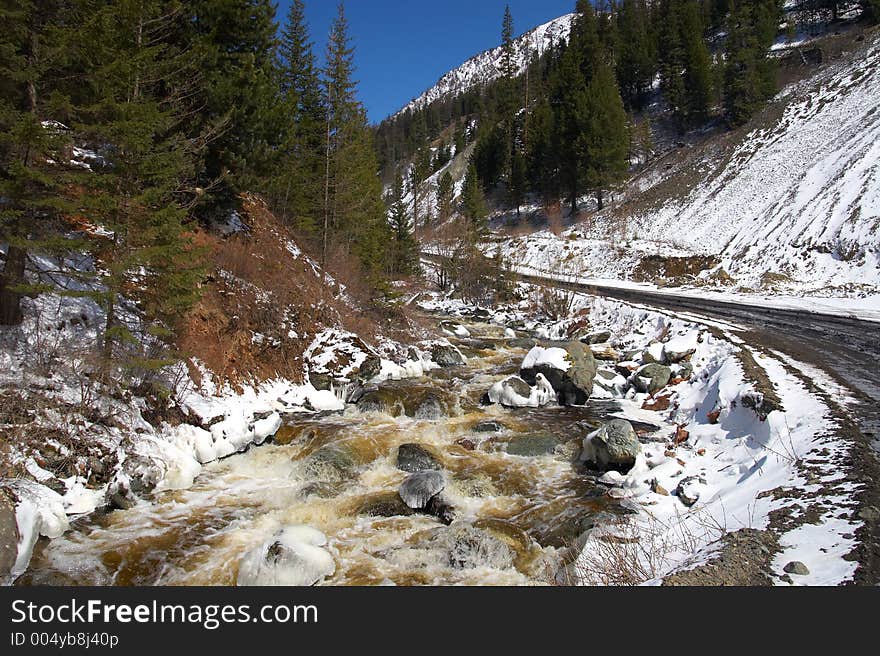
<point x="339" y="475"/>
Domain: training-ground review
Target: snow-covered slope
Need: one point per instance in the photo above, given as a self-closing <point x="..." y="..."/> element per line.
<point x="800" y="198"/>
<point x="487" y="66"/>
<point x="792" y="207"/>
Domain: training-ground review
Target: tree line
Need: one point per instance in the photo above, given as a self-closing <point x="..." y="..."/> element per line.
<point x="177" y="107"/>
<point x="575" y="119"/>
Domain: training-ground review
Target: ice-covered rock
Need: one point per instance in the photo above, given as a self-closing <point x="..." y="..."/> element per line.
<point x="295" y="556"/>
<point x="418" y="489"/>
<point x="514" y="392"/>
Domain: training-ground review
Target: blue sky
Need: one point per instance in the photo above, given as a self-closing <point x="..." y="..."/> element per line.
<point x="404" y="46"/>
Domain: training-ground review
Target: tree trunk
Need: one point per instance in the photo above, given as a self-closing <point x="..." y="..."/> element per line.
<point x="574" y="202"/>
<point x="600" y="199"/>
<point x="12" y="276"/>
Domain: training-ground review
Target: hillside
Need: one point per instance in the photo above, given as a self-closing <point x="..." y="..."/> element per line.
<point x="790" y="203"/>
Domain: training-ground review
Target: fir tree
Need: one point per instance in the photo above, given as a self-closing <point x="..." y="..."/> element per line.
<point x="298" y="187"/>
<point x="354" y="211"/>
<point x="635" y="57"/>
<point x="405" y="256"/>
<point x="31" y="47"/>
<point x="750" y="76"/>
<point x="473" y="206"/>
<point x="147" y="256"/>
<point x="235" y="46"/>
<point x="604" y="145"/>
<point x="445" y="191"/>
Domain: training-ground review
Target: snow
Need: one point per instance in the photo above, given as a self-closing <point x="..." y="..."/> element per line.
<point x="39" y="511"/>
<point x="542" y="394"/>
<point x="293" y="557"/>
<point x="556" y="358"/>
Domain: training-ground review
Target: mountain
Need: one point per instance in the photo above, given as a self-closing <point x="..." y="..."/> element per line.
<point x="487" y="66"/>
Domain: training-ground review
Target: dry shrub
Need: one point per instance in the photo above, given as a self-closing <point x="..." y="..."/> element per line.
<point x="642" y="548"/>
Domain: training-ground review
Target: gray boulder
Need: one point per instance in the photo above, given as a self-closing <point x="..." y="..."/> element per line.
<point x="414" y="458"/>
<point x="572" y="387"/>
<point x="614" y="446"/>
<point x="418" y="489"/>
<point x="651" y="378"/>
<point x="447" y="355"/>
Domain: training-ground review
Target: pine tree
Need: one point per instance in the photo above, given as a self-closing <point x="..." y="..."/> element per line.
<point x="445" y="192"/>
<point x="473" y="206"/>
<point x="604" y="145"/>
<point x="148" y="256"/>
<point x="234" y="43"/>
<point x="297" y="186"/>
<point x="749" y="78"/>
<point x="354" y="210"/>
<point x="698" y="92"/>
<point x="30" y="45"/>
<point x="686" y="65"/>
<point x="635" y="57"/>
<point x="405" y="257"/>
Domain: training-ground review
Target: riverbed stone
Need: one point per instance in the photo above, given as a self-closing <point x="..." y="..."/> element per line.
<point x="387" y="504"/>
<point x="332" y="463"/>
<point x="532" y="445"/>
<point x="614" y="446"/>
<point x="489" y="427"/>
<point x="418" y="489"/>
<point x="572" y="387"/>
<point x="414" y="458"/>
<point x="294" y="557"/>
<point x="430" y="408"/>
<point x="447" y="355"/>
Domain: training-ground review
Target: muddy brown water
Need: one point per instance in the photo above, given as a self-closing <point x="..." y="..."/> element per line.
<point x="339" y="475"/>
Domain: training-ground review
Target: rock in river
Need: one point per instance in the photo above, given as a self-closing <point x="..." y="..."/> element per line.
<point x="414" y="458"/>
<point x="570" y="370"/>
<point x="614" y="446"/>
<point x="447" y="355"/>
<point x="418" y="489"/>
<point x="293" y="557"/>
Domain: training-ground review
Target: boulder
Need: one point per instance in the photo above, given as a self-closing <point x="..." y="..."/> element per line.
<point x="569" y="369"/>
<point x="332" y="463"/>
<point x="532" y="445"/>
<point x="430" y="408"/>
<point x="470" y="547"/>
<point x="614" y="446"/>
<point x="651" y="378"/>
<point x="447" y="355"/>
<point x="294" y="557"/>
<point x="601" y="337"/>
<point x="489" y="427"/>
<point x="797" y="568"/>
<point x="414" y="458"/>
<point x="385" y="505"/>
<point x="418" y="489"/>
